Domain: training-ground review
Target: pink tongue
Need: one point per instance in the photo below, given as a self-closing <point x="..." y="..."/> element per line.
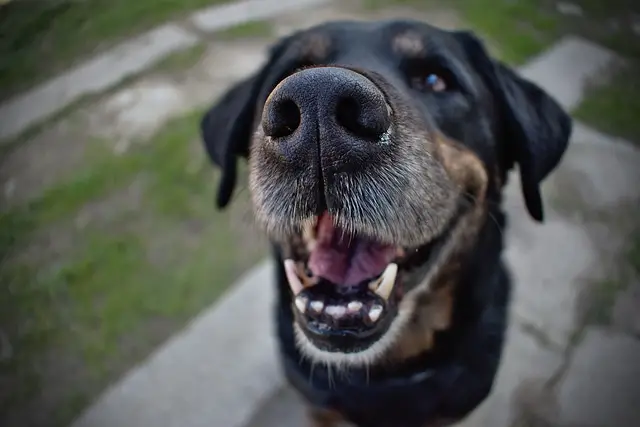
<point x="345" y="259"/>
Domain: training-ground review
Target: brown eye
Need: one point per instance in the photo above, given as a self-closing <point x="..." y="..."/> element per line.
<point x="431" y="83"/>
<point x="435" y="83"/>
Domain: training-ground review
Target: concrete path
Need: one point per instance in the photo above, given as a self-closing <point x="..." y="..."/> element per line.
<point x="130" y="58"/>
<point x="206" y="376"/>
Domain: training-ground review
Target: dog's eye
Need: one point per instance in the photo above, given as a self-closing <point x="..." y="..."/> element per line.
<point x="429" y="75"/>
<point x="435" y="83"/>
<point x="430" y="82"/>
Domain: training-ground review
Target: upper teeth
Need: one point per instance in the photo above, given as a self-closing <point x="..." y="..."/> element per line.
<point x="292" y="276"/>
<point x="383" y="286"/>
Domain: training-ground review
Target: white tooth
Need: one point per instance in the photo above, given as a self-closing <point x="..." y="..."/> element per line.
<point x="373" y="285"/>
<point x="335" y="311"/>
<point x="292" y="276"/>
<point x="375" y="312"/>
<point x="317" y="306"/>
<point x="301" y="303"/>
<point x="388" y="280"/>
<point x="354" y="306"/>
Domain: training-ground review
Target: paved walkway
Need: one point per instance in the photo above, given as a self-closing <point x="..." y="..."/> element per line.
<point x="207" y="376"/>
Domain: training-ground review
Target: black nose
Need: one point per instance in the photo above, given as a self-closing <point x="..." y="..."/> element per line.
<point x="326" y="104"/>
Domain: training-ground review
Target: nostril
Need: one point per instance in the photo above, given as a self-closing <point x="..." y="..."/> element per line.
<point x="281" y="119"/>
<point x="369" y="121"/>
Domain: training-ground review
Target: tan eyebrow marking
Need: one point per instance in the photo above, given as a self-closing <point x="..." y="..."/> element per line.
<point x="315" y="47"/>
<point x="408" y="43"/>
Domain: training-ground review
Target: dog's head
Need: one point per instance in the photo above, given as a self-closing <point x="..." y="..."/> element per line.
<point x="376" y="152"/>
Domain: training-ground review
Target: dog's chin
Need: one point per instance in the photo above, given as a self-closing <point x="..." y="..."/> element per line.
<point x="352" y="295"/>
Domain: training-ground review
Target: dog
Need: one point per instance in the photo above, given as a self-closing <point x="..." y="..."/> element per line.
<point x="378" y="153"/>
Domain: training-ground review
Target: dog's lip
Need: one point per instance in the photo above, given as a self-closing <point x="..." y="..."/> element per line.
<point x="328" y="313"/>
<point x="331" y="336"/>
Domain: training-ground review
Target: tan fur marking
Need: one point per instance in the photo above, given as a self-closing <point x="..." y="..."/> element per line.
<point x="409" y="43"/>
<point x="432" y="314"/>
<point x="315" y="47"/>
<point x="463" y="166"/>
<point x="441" y="423"/>
<point x="323" y="417"/>
<point x="434" y="308"/>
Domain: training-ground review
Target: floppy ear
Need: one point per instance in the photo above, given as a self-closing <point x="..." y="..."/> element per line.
<point x="535" y="129"/>
<point x="227" y="127"/>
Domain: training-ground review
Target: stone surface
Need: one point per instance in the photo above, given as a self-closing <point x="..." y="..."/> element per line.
<point x="550" y="264"/>
<point x="602" y="385"/>
<point x="284" y="409"/>
<point x="567" y="8"/>
<point x="94" y="76"/>
<point x="352" y="10"/>
<point x="597" y="172"/>
<point x="214" y="373"/>
<point x="220" y="17"/>
<point x="240" y="59"/>
<point x="626" y="310"/>
<point x="553" y="263"/>
<point x="129" y="58"/>
<point x="138" y="110"/>
<point x="129" y="114"/>
<point x="567" y="67"/>
<point x="30" y="167"/>
<point x="526" y="363"/>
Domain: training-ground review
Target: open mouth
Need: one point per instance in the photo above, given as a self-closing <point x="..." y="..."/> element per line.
<point x="348" y="289"/>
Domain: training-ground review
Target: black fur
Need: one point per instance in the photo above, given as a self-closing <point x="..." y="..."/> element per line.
<point x="506" y="120"/>
<point x="535" y="129"/>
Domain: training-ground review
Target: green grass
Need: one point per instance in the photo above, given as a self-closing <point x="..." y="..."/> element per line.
<point x="527" y="27"/>
<point x="38" y="38"/>
<point x="605" y="292"/>
<point x="250" y="29"/>
<point x="520" y="28"/>
<point x="614" y="107"/>
<point x="182" y="59"/>
<point x="523" y="28"/>
<point x="126" y="282"/>
<point x="633" y="254"/>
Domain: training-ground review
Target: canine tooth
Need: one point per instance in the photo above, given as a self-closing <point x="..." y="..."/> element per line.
<point x="375" y="312"/>
<point x="292" y="276"/>
<point x="388" y="280"/>
<point x="317" y="306"/>
<point x="354" y="306"/>
<point x="301" y="303"/>
<point x="373" y="285"/>
<point x="335" y="311"/>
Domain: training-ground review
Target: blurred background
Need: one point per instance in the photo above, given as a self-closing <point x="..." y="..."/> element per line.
<point x="109" y="240"/>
